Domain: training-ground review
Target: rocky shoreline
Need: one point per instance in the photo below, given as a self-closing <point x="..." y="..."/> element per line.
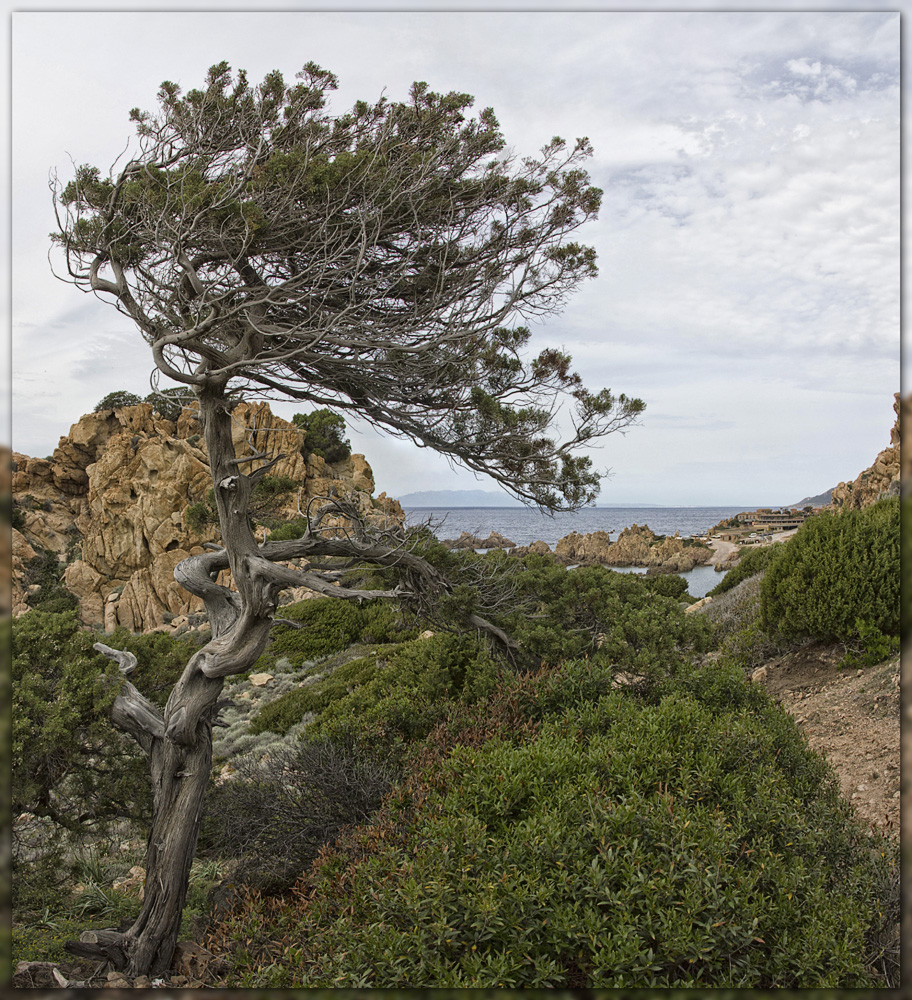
<point x="637" y="545"/>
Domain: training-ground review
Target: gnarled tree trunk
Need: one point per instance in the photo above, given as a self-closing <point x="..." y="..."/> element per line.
<point x="178" y="742"/>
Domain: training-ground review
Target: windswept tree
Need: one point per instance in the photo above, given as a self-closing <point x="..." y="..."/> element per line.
<point x="383" y="262"/>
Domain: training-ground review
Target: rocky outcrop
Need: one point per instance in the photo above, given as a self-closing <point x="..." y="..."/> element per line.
<point x="883" y="477"/>
<point x="467" y="540"/>
<point x="538" y="548"/>
<point x="587" y="549"/>
<point x="112" y="500"/>
<point x="636" y="546"/>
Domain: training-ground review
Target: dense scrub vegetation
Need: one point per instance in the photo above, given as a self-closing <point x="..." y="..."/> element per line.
<point x="608" y="806"/>
<point x="70" y="767"/>
<point x="325" y="435"/>
<point x="838" y="579"/>
<point x="568" y="832"/>
<point x="750" y="563"/>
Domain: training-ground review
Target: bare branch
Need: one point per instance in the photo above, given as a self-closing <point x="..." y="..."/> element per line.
<point x="132" y="711"/>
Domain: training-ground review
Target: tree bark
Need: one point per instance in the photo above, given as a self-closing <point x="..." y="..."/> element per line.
<point x="179" y="745"/>
<point x="178" y="742"/>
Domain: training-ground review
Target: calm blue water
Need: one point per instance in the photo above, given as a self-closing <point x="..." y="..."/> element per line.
<point x="523" y="526"/>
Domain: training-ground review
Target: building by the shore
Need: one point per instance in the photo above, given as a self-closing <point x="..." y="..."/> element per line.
<point x="751" y="526"/>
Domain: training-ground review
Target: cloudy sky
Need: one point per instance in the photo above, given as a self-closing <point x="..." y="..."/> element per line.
<point x="748" y="241"/>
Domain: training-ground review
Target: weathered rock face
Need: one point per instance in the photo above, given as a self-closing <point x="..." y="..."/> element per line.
<point x="537" y="548"/>
<point x="635" y="546"/>
<point x="883" y="477"/>
<point x="112" y="502"/>
<point x="585" y="549"/>
<point x="467" y="540"/>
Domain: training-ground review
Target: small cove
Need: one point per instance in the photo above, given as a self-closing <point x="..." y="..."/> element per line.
<point x="524" y="526"/>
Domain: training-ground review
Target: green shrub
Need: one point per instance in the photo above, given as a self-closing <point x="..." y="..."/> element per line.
<point x="325" y="432"/>
<point x="736" y="615"/>
<point x="115" y="400"/>
<point x="170" y="403"/>
<point x="328" y="625"/>
<point x="270" y="488"/>
<point x="46" y="572"/>
<point x="402" y="689"/>
<point x="752" y="561"/>
<point x="668" y="585"/>
<point x="202" y="512"/>
<point x="62" y="691"/>
<point x="69" y="762"/>
<point x="689" y="842"/>
<point x="906" y="563"/>
<point x="592" y="611"/>
<point x="288" y="531"/>
<point x="160" y="659"/>
<point x="13" y="513"/>
<point x="838" y="570"/>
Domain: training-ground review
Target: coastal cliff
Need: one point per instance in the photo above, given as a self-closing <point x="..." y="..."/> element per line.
<point x="110" y="506"/>
<point x="882" y="477"/>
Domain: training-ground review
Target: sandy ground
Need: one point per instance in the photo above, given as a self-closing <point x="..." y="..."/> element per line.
<point x="852" y="717"/>
<point x="722" y="549"/>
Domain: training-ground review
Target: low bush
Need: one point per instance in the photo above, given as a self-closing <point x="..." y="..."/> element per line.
<point x="160" y="659"/>
<point x="736" y="614"/>
<point x="289" y="530"/>
<point x="67" y="758"/>
<point x="667" y="585"/>
<point x="327" y="625"/>
<point x="633" y="622"/>
<point x="275" y="812"/>
<point x="752" y="561"/>
<point x="838" y="579"/>
<point x="402" y="690"/>
<point x="201" y="513"/>
<point x="690" y="840"/>
<point x="70" y="767"/>
<point x="45" y="572"/>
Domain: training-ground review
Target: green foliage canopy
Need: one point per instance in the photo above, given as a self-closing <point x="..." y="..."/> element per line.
<point x="170" y="403"/>
<point x="567" y="833"/>
<point x="838" y="577"/>
<point x="325" y="435"/>
<point x="115" y="400"/>
<point x="69" y="764"/>
<point x="382" y="261"/>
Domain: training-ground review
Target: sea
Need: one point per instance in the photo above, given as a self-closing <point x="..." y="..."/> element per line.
<point x="524" y="526"/>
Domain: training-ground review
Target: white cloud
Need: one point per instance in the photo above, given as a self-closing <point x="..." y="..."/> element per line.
<point x="748" y="242"/>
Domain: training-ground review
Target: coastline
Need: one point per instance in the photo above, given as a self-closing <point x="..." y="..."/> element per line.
<point x="722" y="550"/>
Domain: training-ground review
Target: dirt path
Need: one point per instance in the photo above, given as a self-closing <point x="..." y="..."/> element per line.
<point x="721" y="550"/>
<point x="852" y="717"/>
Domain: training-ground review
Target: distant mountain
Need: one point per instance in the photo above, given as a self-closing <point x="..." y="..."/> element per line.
<point x="821" y="500"/>
<point x="478" y="498"/>
<point x="457" y="498"/>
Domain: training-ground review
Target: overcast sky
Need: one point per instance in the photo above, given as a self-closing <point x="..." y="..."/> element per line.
<point x="748" y="240"/>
